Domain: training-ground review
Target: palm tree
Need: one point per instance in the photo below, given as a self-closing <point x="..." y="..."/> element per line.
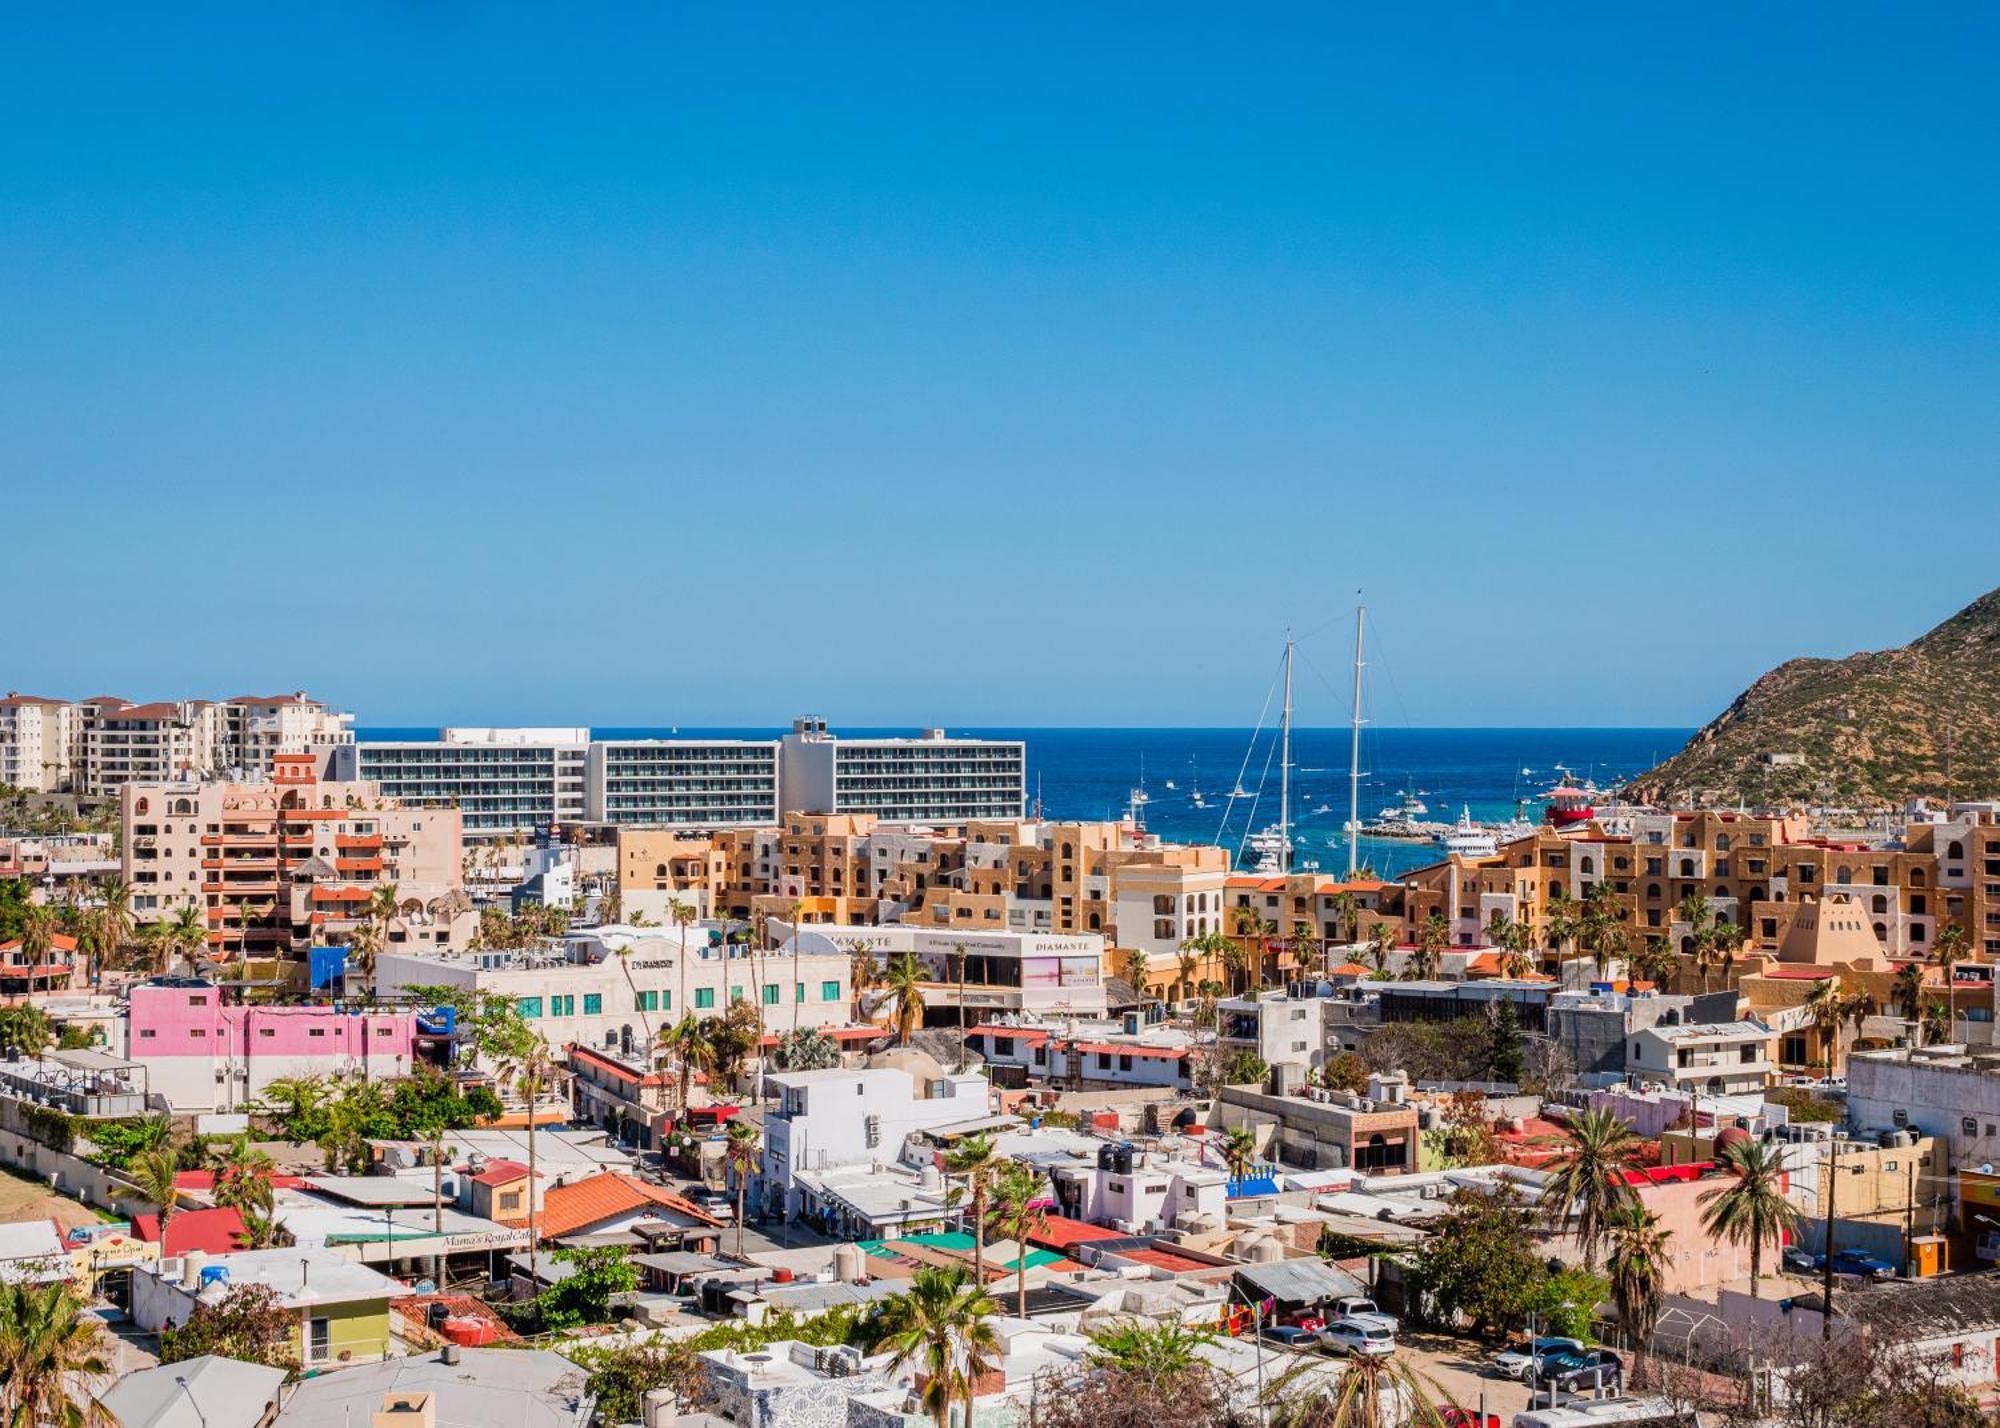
<point x="1016" y="1214"/>
<point x="1826" y="1008"/>
<point x="795" y="910"/>
<point x="243" y="1176"/>
<point x="39" y="925"/>
<point x="298" y="1095"/>
<point x="1908" y="988"/>
<point x="1135" y="968"/>
<point x="958" y="957"/>
<point x="687" y="1042"/>
<point x="1188" y="962"/>
<point x="25" y="1029"/>
<point x="1239" y="1151"/>
<point x="1433" y="936"/>
<point x="47" y="1338"/>
<point x="1590" y="1182"/>
<point x="1752" y="1208"/>
<point x="1249" y="924"/>
<point x="1236" y="962"/>
<point x="1563" y="921"/>
<point x="187" y="930"/>
<point x="1638" y="1265"/>
<point x="940" y="1324"/>
<point x="682" y="915"/>
<point x="1347" y="913"/>
<point x="114" y="916"/>
<point x="1373" y="1391"/>
<point x="152" y="1174"/>
<point x="973" y="1160"/>
<point x="1727" y="938"/>
<point x="905" y="981"/>
<point x="1381" y="942"/>
<point x="1937" y="1026"/>
<point x="530" y="1067"/>
<point x="743" y="1155"/>
<point x="1945" y="953"/>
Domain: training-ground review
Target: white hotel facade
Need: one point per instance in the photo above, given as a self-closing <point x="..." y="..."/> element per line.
<point x="1046" y="973"/>
<point x="608" y="987"/>
<point x="512" y="781"/>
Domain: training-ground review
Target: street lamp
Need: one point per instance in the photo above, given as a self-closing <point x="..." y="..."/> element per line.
<point x="1256" y="1309"/>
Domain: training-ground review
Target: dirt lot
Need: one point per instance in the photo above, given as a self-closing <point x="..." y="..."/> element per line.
<point x="25" y="1199"/>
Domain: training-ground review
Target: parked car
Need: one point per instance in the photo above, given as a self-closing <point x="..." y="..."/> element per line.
<point x="1291" y="1336"/>
<point x="1357" y="1306"/>
<point x="1452" y="1416"/>
<point x="1305" y="1320"/>
<point x="717" y="1206"/>
<point x="1517" y="1363"/>
<point x="1801" y="1261"/>
<point x="1862" y="1264"/>
<point x="1592" y="1368"/>
<point x="1358" y="1336"/>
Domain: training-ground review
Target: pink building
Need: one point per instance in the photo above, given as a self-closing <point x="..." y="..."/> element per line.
<point x="205" y="1055"/>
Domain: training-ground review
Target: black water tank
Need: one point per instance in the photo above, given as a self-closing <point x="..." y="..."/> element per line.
<point x="1107" y="1157"/>
<point x="1124" y="1162"/>
<point x="435" y="1316"/>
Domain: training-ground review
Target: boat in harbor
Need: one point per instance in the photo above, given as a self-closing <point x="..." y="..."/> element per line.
<point x="1468" y="839"/>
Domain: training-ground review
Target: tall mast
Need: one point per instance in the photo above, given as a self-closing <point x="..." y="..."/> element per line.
<point x="1285" y="768"/>
<point x="1354" y="752"/>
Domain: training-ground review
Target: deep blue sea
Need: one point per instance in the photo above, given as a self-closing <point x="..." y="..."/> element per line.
<point x="1090" y="773"/>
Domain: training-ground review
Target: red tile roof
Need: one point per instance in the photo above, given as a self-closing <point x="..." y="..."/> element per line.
<point x="1113" y="1048"/>
<point x="210" y="1231"/>
<point x="1163" y="1259"/>
<point x="1351" y="969"/>
<point x="1059" y="1232"/>
<point x="573" y="1209"/>
<point x="205" y="1180"/>
<point x="500" y="1172"/>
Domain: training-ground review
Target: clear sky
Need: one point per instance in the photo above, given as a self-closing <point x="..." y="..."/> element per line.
<point x="1009" y="364"/>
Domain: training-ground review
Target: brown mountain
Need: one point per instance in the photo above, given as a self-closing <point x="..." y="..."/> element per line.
<point x="1865" y="732"/>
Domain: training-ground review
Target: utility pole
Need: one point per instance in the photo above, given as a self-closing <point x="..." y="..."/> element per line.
<point x="1826" y="1267"/>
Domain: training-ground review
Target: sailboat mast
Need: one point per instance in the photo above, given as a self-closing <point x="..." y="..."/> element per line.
<point x="1285" y="768"/>
<point x="1354" y="752"/>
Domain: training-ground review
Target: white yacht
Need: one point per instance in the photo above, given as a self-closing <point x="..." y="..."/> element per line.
<point x="1468" y="839"/>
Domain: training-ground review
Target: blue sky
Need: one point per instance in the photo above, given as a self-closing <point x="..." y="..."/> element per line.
<point x="1032" y="365"/>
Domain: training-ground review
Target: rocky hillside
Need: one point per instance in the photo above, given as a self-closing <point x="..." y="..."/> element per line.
<point x="1864" y="732"/>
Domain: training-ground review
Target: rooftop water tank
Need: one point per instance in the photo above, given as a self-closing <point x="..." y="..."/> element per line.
<point x="850" y="1263"/>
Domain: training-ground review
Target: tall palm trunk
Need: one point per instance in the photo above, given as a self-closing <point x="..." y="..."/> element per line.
<point x="1756" y="1264"/>
<point x="534" y="1217"/>
<point x="979" y="1231"/>
<point x="742" y="1184"/>
<point x="961" y="1009"/>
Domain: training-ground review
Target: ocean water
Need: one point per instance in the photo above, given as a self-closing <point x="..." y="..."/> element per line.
<point x="1091" y="773"/>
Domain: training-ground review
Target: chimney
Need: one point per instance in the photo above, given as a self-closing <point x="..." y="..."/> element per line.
<point x="407" y="1410"/>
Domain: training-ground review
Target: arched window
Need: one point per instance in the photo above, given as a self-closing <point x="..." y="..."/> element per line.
<point x="182" y="805"/>
<point x="1843" y="876"/>
<point x="1687" y="946"/>
<point x="1687" y="867"/>
<point x="1653" y="891"/>
<point x="1095" y="922"/>
<point x="1916" y="877"/>
<point x="1955" y="850"/>
<point x="659" y="870"/>
<point x="139" y="806"/>
<point x="1881" y="932"/>
<point x="1587" y="865"/>
<point x="1067" y="851"/>
<point x="1722" y="842"/>
<point x="1881" y="904"/>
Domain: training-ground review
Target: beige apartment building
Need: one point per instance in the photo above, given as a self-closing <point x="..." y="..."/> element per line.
<point x="95" y="746"/>
<point x="38" y="741"/>
<point x="1748" y="869"/>
<point x="280" y="865"/>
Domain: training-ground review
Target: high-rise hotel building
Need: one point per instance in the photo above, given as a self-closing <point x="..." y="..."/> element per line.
<point x="501" y="781"/>
<point x="508" y="781"/>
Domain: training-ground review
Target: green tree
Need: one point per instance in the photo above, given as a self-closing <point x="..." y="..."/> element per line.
<point x="743" y="1152"/>
<point x="1589" y="1183"/>
<point x="24" y="1030"/>
<point x="1345" y="1072"/>
<point x="1157" y="1351"/>
<point x="1751" y="1208"/>
<point x="904" y="981"/>
<point x="152" y="1173"/>
<point x="621" y="1375"/>
<point x="526" y="1063"/>
<point x="1373" y="1391"/>
<point x="48" y="1336"/>
<point x="1015" y="1216"/>
<point x="940" y="1324"/>
<point x="972" y="1160"/>
<point x="1640" y="1252"/>
<point x="1480" y="1263"/>
<point x="1504" y="1046"/>
<point x="806" y="1048"/>
<point x="584" y="1295"/>
<point x="248" y="1322"/>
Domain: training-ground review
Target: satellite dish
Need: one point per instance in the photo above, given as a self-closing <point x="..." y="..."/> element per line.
<point x="1987" y="1168"/>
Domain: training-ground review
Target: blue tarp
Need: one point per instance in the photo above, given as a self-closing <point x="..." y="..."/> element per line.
<point x="327" y="965"/>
